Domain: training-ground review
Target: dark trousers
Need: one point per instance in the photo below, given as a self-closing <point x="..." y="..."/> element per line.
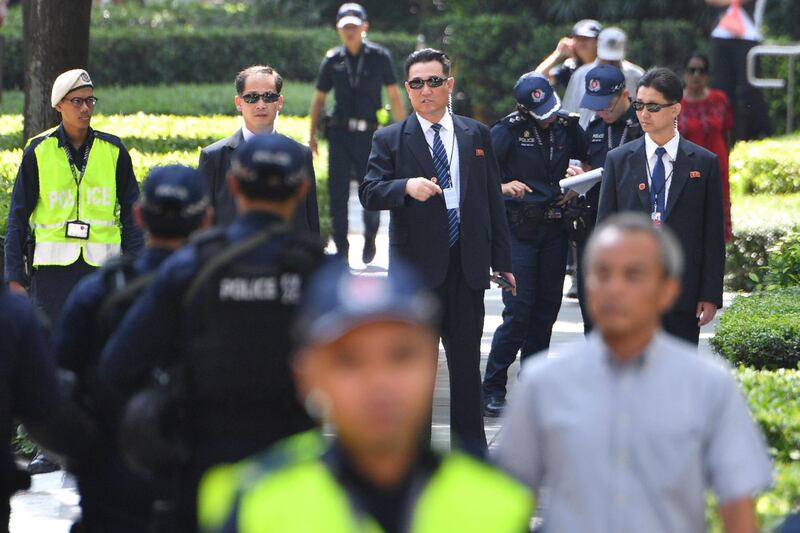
<point x="528" y="317"/>
<point x="347" y="159"/>
<point x="51" y="285"/>
<point x="682" y="325"/>
<point x="729" y="71"/>
<point x="462" y="330"/>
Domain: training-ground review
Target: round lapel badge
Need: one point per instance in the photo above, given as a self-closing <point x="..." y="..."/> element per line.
<point x="642" y="186"/>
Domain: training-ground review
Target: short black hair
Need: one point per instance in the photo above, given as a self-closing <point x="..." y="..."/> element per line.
<point x="241" y="78"/>
<point x="426" y="55"/>
<point x="698" y="55"/>
<point x="664" y="81"/>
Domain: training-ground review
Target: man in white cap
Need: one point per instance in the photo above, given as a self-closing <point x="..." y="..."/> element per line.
<point x="610" y="51"/>
<point x="74" y="190"/>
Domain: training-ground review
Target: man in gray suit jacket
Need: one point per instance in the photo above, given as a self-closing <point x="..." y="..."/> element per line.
<point x="437" y="174"/>
<point x="259" y="101"/>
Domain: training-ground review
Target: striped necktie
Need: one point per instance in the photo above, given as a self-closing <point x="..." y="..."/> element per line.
<point x="442" y="165"/>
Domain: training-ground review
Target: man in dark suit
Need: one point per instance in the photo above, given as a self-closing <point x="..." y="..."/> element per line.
<point x="259" y="100"/>
<point x="678" y="184"/>
<point x="438" y="175"/>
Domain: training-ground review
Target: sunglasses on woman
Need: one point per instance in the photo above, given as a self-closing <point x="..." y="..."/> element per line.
<point x="696" y="71"/>
<point x="433" y="82"/>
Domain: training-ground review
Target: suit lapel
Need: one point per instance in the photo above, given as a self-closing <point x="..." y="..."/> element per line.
<point x="236" y="139"/>
<point x="680" y="175"/>
<point x="639" y="175"/>
<point x="465" y="151"/>
<point x="419" y="146"/>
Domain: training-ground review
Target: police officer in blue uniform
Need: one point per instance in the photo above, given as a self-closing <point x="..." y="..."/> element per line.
<point x="217" y="319"/>
<point x="31" y="393"/>
<point x="533" y="146"/>
<point x="172" y="206"/>
<point x="357" y="71"/>
<point x="615" y="123"/>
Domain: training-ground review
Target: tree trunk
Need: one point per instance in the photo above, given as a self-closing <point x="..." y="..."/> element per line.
<point x="55" y="39"/>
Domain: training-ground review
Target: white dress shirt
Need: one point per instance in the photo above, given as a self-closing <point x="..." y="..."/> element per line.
<point x="447" y="134"/>
<point x="669" y="158"/>
<point x="247" y="134"/>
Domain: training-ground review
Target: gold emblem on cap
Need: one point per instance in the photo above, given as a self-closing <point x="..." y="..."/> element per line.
<point x="526" y="134"/>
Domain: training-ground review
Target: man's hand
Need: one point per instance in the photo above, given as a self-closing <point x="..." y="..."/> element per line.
<point x="422" y="189"/>
<point x="312" y="143"/>
<point x="515" y="189"/>
<point x="16" y="287"/>
<point x="574" y="170"/>
<point x="705" y="313"/>
<point x="509" y="277"/>
<point x="566" y="47"/>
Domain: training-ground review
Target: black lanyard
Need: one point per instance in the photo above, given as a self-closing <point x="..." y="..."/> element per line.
<point x="354" y="80"/>
<point x="540" y="144"/>
<point x="78" y="179"/>
<point x="621" y="139"/>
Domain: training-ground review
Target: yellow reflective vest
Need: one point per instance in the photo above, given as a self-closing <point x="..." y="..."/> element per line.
<point x="93" y="200"/>
<point x="302" y="495"/>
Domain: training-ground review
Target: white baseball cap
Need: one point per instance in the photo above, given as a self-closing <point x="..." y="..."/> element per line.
<point x="611" y="44"/>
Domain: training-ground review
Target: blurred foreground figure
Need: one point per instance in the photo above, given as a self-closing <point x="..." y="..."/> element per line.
<point x="367" y="364"/>
<point x="626" y="431"/>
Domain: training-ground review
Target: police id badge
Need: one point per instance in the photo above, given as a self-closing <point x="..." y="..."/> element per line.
<point x="655" y="216"/>
<point x="77" y="230"/>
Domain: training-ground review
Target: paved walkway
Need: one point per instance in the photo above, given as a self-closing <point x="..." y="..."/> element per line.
<point x="51" y="504"/>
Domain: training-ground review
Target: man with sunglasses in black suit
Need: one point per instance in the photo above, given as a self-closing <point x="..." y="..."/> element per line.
<point x="678" y="184"/>
<point x="259" y="100"/>
<point x="437" y="174"/>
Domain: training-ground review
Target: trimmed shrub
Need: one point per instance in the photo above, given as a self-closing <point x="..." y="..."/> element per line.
<point x="761" y="330"/>
<point x="769" y="166"/>
<point x="758" y="223"/>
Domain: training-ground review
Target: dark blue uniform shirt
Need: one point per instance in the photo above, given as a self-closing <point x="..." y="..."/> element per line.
<point x="150" y="334"/>
<point x="524" y="153"/>
<point x="358" y="80"/>
<point x="78" y="339"/>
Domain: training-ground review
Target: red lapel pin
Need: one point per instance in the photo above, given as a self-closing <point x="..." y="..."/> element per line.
<point x="642" y="186"/>
<point x="479" y="152"/>
<point x="694" y="174"/>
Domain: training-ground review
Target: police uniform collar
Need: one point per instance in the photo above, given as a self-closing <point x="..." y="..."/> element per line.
<point x="61" y="134"/>
<point x="257" y="218"/>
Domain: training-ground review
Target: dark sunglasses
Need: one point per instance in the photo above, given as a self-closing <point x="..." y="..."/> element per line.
<point x="78" y="102"/>
<point x="653" y="108"/>
<point x="269" y="97"/>
<point x="433" y="82"/>
<point x="692" y="71"/>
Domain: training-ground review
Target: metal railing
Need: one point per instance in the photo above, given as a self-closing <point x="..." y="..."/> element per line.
<point x="790" y="51"/>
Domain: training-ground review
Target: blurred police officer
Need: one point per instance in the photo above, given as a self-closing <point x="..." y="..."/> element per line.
<point x="217" y="318"/>
<point x="580" y="48"/>
<point x="70" y="185"/>
<point x="533" y="145"/>
<point x="615" y="123"/>
<point x="627" y="430"/>
<point x="173" y="205"/>
<point x="368" y="365"/>
<point x="357" y="70"/>
<point x="31" y="393"/>
<point x="259" y="100"/>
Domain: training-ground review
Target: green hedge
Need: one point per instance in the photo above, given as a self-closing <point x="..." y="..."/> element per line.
<point x="759" y="221"/>
<point x="143" y="56"/>
<point x="767" y="166"/>
<point x="761" y="330"/>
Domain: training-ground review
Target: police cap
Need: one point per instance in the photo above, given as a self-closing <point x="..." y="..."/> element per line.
<point x="603" y="82"/>
<point x="534" y="92"/>
<point x="270" y="166"/>
<point x="338" y="301"/>
<point x="173" y="200"/>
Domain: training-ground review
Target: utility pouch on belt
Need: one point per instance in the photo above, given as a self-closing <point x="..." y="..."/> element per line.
<point x="523" y="219"/>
